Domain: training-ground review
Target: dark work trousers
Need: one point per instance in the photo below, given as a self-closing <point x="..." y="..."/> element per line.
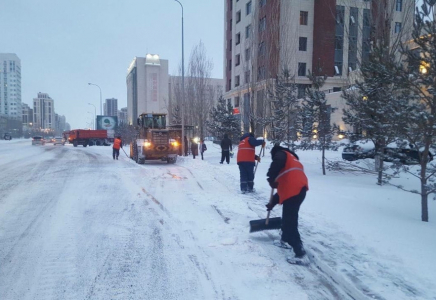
<point x="115" y="153"/>
<point x="246" y="172"/>
<point x="202" y="155"/>
<point x="225" y="154"/>
<point x="290" y="232"/>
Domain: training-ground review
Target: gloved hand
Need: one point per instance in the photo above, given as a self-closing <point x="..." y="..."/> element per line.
<point x="256" y="157"/>
<point x="273" y="184"/>
<point x="270" y="206"/>
<point x="263" y="144"/>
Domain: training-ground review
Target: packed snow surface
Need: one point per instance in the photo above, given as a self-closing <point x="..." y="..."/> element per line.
<point x="76" y="224"/>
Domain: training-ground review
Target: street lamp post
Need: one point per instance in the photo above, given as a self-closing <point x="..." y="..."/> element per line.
<point x="95" y="114"/>
<point x="183" y="86"/>
<point x="101" y="112"/>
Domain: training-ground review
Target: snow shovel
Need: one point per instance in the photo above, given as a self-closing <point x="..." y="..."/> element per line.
<point x="268" y="223"/>
<point x="125" y="153"/>
<point x="257" y="162"/>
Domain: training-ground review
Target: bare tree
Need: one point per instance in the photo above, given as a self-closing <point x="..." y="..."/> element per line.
<point x="200" y="97"/>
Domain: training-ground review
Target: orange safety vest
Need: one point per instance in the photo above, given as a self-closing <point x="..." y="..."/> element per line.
<point x="246" y="152"/>
<point x="291" y="178"/>
<point x="117" y="144"/>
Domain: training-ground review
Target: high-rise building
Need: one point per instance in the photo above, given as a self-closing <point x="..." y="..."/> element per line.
<point x="111" y="107"/>
<point x="10" y="86"/>
<point x="122" y="116"/>
<point x="147" y="86"/>
<point x="328" y="38"/>
<point x="43" y="112"/>
<point x="27" y="115"/>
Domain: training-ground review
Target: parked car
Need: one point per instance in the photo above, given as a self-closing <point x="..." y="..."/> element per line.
<point x="58" y="141"/>
<point x="359" y="150"/>
<point x="365" y="149"/>
<point x="7" y="136"/>
<point x="38" y="140"/>
<point x="404" y="155"/>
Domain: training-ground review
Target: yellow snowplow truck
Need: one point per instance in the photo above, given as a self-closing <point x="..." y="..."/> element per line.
<point x="153" y="140"/>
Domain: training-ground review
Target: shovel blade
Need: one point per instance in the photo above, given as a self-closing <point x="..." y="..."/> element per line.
<point x="259" y="225"/>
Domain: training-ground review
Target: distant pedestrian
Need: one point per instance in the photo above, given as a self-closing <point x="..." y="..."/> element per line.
<point x="286" y="174"/>
<point x="118" y="143"/>
<point x="245" y="159"/>
<point x="185" y="140"/>
<point x="226" y="147"/>
<point x="202" y="147"/>
<point x="194" y="148"/>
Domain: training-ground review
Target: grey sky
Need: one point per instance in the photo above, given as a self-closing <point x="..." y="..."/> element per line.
<point x="63" y="45"/>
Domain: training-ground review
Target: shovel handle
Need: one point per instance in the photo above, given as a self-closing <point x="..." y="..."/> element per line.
<point x="270" y="199"/>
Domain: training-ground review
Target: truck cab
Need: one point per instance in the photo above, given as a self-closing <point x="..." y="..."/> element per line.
<point x="153" y="140"/>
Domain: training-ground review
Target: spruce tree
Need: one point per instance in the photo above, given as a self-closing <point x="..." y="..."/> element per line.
<point x="284" y="121"/>
<point x="376" y="105"/>
<point x="316" y="118"/>
<point x="223" y="121"/>
<point x="419" y="80"/>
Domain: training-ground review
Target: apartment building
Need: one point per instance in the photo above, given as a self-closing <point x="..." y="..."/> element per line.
<point x="328" y="38"/>
<point x="147" y="86"/>
<point x="122" y="116"/>
<point x="111" y="107"/>
<point x="44" y="112"/>
<point x="10" y="86"/>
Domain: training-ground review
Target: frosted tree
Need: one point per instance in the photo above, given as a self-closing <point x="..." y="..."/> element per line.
<point x="418" y="77"/>
<point x="284" y="120"/>
<point x="223" y="121"/>
<point x="316" y="115"/>
<point x="376" y="105"/>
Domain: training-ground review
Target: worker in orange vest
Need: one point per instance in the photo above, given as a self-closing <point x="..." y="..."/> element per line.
<point x="286" y="173"/>
<point x="118" y="143"/>
<point x="246" y="160"/>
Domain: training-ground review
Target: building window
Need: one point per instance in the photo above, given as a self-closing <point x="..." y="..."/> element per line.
<point x="262" y="24"/>
<point x="247" y="54"/>
<point x="237" y="80"/>
<point x="236" y="102"/>
<point x="261" y="73"/>
<point x="230" y="24"/>
<point x="302" y="46"/>
<point x="230" y="84"/>
<point x="399" y="5"/>
<point x="304" y="15"/>
<point x="237" y="59"/>
<point x="262" y="3"/>
<point x="301" y="69"/>
<point x="338" y="68"/>
<point x="397" y="27"/>
<point x="262" y="49"/>
<point x="248" y="8"/>
<point x="247" y="77"/>
<point x="238" y="38"/>
<point x="238" y="16"/>
<point x="248" y="31"/>
<point x="230" y="4"/>
<point x="230" y="64"/>
<point x="230" y="45"/>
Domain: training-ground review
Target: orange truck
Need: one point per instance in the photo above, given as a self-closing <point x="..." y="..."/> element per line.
<point x="88" y="137"/>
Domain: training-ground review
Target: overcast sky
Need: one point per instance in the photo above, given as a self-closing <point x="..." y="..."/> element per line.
<point x="63" y="45"/>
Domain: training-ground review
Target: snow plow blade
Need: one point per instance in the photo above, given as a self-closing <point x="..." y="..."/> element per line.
<point x="265" y="224"/>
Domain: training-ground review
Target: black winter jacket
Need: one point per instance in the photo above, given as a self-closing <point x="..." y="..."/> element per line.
<point x="278" y="162"/>
<point x="226" y="144"/>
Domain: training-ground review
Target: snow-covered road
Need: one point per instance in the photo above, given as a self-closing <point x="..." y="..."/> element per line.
<point x="75" y="224"/>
